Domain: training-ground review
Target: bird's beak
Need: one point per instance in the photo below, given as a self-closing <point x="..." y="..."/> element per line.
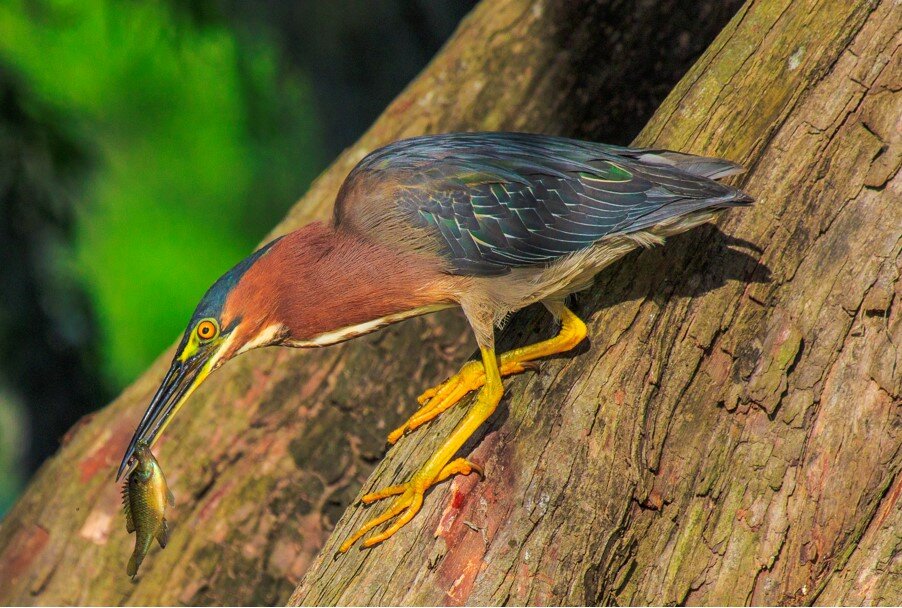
<point x="184" y="376"/>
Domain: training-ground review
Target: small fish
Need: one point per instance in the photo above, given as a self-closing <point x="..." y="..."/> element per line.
<point x="144" y="497"/>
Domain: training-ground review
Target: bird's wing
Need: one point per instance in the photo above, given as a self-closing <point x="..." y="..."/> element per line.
<point x="498" y="201"/>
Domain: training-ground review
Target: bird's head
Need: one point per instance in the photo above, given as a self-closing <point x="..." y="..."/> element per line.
<point x="235" y="315"/>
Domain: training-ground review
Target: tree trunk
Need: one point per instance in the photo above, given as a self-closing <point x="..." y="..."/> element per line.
<point x="269" y="452"/>
<point x="731" y="432"/>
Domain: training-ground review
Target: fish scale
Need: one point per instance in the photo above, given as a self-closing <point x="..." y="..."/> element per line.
<point x="145" y="496"/>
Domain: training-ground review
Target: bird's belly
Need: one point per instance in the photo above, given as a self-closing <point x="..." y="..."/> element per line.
<point x="576" y="272"/>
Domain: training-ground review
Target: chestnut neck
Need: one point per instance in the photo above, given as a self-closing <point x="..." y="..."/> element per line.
<point x="322" y="285"/>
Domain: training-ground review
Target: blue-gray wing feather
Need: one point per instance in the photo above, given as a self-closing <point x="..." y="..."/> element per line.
<point x="498" y="201"/>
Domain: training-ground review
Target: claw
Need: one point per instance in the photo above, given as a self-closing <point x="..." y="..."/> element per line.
<point x="428" y="394"/>
<point x="407" y="504"/>
<point x="461" y="466"/>
<point x="399" y="505"/>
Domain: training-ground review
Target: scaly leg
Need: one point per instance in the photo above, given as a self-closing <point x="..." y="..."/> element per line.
<point x="409" y="496"/>
<point x="471" y="376"/>
<point x="439" y="398"/>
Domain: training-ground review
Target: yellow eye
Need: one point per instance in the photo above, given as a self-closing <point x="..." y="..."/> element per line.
<point x="207" y="329"/>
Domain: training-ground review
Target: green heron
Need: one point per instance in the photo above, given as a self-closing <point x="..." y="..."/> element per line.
<point x="490" y="222"/>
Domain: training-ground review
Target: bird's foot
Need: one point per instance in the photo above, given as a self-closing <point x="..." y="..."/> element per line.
<point x="407" y="504"/>
<point x="439" y="398"/>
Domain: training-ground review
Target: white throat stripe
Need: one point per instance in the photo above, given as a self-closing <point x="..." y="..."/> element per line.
<point x="346" y="333"/>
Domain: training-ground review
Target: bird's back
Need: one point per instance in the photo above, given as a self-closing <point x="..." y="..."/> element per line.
<point x="491" y="202"/>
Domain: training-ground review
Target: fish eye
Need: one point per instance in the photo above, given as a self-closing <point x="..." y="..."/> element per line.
<point x="207" y="329"/>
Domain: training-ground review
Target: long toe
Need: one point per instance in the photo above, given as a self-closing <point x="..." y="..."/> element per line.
<point x="439" y="398"/>
<point x="408" y="501"/>
<point x="383" y="493"/>
<point x="397" y="507"/>
<point x="413" y="503"/>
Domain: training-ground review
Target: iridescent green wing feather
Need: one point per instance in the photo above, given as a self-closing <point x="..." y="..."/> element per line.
<point x="499" y="201"/>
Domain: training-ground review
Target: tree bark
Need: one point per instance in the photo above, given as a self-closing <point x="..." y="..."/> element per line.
<point x="730" y="433"/>
<point x="268" y="453"/>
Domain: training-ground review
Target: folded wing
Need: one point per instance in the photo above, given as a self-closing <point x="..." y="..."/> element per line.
<point x="498" y="201"/>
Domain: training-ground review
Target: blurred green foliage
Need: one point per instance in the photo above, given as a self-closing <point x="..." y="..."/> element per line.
<point x="199" y="141"/>
<point x="11" y="438"/>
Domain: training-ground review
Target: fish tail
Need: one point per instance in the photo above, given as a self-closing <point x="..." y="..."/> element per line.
<point x="142" y="546"/>
<point x="133" y="564"/>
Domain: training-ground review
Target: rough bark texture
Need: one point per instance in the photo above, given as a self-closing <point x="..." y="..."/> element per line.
<point x="270" y="451"/>
<point x="731" y="433"/>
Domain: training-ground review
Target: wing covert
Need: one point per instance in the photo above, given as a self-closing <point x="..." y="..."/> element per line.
<point x="498" y="201"/>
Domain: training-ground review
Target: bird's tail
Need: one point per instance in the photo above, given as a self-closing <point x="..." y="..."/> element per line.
<point x="691" y="206"/>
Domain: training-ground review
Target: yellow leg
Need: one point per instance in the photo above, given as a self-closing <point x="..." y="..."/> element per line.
<point x="409" y="496"/>
<point x="438" y="399"/>
<point x="472" y="376"/>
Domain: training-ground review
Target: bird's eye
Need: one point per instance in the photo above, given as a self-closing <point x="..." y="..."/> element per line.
<point x="207" y="329"/>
